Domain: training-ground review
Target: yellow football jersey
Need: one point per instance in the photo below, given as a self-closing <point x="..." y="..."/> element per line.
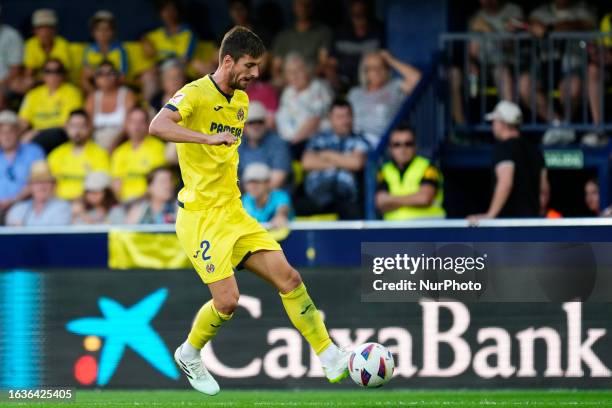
<point x="179" y="45"/>
<point x="210" y="173"/>
<point x="43" y="110"/>
<point x="34" y="56"/>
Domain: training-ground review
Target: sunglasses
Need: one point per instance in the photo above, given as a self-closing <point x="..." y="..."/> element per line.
<point x="256" y="122"/>
<point x="402" y="144"/>
<point x="57" y="71"/>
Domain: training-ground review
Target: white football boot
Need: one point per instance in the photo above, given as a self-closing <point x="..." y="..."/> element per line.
<point x="337" y="369"/>
<point x="197" y="374"/>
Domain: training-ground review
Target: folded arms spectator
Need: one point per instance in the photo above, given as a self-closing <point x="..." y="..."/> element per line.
<point x="43" y="209"/>
<point x="409" y="185"/>
<point x="334" y="160"/>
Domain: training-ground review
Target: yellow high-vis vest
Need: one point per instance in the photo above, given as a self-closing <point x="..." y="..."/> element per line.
<point x="410" y="184"/>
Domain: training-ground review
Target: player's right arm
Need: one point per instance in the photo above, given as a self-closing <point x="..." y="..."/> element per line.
<point x="165" y="126"/>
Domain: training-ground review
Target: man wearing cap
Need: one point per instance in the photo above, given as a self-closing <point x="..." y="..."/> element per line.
<point x="261" y="201"/>
<point x="43" y="209"/>
<point x="45" y="43"/>
<point x="261" y="145"/>
<point x="15" y="161"/>
<point x="519" y="168"/>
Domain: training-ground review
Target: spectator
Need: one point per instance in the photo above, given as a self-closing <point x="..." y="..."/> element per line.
<point x="545" y="210"/>
<point x="378" y="97"/>
<point x="595" y="89"/>
<point x="333" y="160"/>
<point x="262" y="201"/>
<point x="45" y="44"/>
<point x="519" y="168"/>
<point x="494" y="16"/>
<point x="43" y="209"/>
<point x="303" y="104"/>
<point x="240" y="14"/>
<point x="159" y="204"/>
<point x="11" y="55"/>
<point x="591" y="197"/>
<point x="173" y="78"/>
<point x="307" y="38"/>
<point x="104" y="48"/>
<point x="108" y="105"/>
<point x="410" y="187"/>
<point x="558" y="16"/>
<point x="174" y="39"/>
<point x="72" y="161"/>
<point x="98" y="204"/>
<point x="261" y="90"/>
<point x="16" y="159"/>
<point x="46" y="108"/>
<point x="135" y="158"/>
<point x="261" y="145"/>
<point x="362" y="35"/>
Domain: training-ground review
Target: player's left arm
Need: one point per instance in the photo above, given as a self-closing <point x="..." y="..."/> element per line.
<point x="165" y="126"/>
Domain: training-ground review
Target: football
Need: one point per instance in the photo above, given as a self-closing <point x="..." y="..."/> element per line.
<point x="371" y="365"/>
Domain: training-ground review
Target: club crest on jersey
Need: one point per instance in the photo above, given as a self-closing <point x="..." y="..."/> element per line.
<point x="240" y="114"/>
<point x="210" y="268"/>
<point x="176" y="98"/>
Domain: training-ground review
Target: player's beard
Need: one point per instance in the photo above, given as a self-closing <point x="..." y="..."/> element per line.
<point x="235" y="83"/>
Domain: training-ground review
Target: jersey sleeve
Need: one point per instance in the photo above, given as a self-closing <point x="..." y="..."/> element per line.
<point x="184" y="101"/>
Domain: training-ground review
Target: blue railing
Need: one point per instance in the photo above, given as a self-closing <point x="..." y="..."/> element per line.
<point x="423" y="110"/>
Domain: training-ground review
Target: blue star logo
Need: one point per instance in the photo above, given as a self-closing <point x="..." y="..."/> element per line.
<point x="131" y="327"/>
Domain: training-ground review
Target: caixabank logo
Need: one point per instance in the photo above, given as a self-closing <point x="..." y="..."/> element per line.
<point x="118" y="328"/>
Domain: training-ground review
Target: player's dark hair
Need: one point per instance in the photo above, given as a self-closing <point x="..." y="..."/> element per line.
<point x="240" y="41"/>
<point x="79" y="112"/>
<point x="404" y="127"/>
<point x="340" y="103"/>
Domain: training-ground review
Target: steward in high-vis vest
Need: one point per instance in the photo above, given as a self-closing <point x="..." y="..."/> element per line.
<point x="409" y="186"/>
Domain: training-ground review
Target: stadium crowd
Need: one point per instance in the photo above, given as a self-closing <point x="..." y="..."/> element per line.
<point x="74" y="142"/>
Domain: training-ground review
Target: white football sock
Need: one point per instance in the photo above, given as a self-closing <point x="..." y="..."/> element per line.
<point x="188" y="352"/>
<point x="329" y="356"/>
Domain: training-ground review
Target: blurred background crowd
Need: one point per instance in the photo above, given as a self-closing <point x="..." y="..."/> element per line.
<point x="74" y="115"/>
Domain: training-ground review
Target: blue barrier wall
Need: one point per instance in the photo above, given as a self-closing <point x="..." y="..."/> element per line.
<point x="309" y="244"/>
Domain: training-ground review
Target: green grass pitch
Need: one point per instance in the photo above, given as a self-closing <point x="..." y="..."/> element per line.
<point x="315" y="398"/>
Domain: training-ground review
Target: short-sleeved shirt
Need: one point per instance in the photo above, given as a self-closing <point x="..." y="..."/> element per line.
<point x="131" y="165"/>
<point x="180" y="45"/>
<point x="210" y="173"/>
<point x="306" y="43"/>
<point x="11" y="49"/>
<point x="374" y="110"/>
<point x="93" y="57"/>
<point x="324" y="186"/>
<point x="297" y="107"/>
<point x="43" y="110"/>
<point x="35" y="56"/>
<point x="272" y="151"/>
<point x="431" y="176"/>
<point x="14" y="175"/>
<point x="55" y="212"/>
<point x="276" y="200"/>
<point x="70" y="168"/>
<point x="524" y="200"/>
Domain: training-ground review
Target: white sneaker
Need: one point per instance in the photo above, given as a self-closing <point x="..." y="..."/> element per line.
<point x="594" y="139"/>
<point x="558" y="135"/>
<point x="197" y="374"/>
<point x="338" y="369"/>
